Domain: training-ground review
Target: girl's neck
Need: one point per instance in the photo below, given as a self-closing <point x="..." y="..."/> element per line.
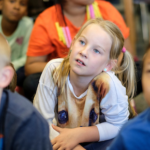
<point x="74" y="12"/>
<point x="73" y="9"/>
<point x="8" y="27"/>
<point x="79" y="83"/>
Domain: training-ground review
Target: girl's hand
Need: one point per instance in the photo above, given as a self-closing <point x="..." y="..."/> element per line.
<point x="79" y="147"/>
<point x="68" y="138"/>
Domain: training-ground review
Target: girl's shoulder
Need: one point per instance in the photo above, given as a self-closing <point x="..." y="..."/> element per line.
<point x="110" y="87"/>
<point x="115" y="82"/>
<point x="46" y="77"/>
<point x="54" y="63"/>
<point x="49" y="11"/>
<point x="50" y="14"/>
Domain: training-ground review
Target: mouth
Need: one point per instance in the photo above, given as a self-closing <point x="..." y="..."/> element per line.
<point x="15" y="14"/>
<point x="80" y="62"/>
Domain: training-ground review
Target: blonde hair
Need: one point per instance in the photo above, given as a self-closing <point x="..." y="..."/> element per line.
<point x="125" y="72"/>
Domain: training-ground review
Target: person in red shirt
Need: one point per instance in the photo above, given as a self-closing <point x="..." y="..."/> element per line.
<point x="54" y="30"/>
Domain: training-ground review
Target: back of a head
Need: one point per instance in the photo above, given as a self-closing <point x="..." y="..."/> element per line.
<point x="4" y="52"/>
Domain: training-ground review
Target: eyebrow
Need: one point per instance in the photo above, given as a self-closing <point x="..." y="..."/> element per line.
<point x="96" y="45"/>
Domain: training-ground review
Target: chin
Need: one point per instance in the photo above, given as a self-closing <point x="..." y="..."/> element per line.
<point x="77" y="72"/>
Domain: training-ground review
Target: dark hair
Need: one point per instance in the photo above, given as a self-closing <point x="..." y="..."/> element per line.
<point x="145" y="55"/>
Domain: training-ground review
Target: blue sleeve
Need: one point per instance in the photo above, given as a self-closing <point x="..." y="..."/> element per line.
<point x="118" y="143"/>
<point x="33" y="134"/>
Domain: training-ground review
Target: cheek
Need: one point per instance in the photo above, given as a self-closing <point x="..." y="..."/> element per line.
<point x="97" y="66"/>
<point x="71" y="58"/>
<point x="146" y="89"/>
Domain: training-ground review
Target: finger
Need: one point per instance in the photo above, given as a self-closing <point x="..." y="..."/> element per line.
<point x="53" y="141"/>
<point x="56" y="128"/>
<point x="61" y="148"/>
<point x="56" y="146"/>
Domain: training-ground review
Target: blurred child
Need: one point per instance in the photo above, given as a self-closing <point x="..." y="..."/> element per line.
<point x="21" y="126"/>
<point x="135" y="134"/>
<point x="54" y="30"/>
<point x="86" y="89"/>
<point x="16" y="28"/>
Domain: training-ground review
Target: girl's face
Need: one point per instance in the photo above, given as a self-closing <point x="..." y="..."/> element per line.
<point x="90" y="52"/>
<point x="146" y="78"/>
<point x="14" y="10"/>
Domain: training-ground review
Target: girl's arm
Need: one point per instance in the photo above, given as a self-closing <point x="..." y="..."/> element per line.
<point x="35" y="64"/>
<point x="22" y="58"/>
<point x="46" y="96"/>
<point x="70" y="138"/>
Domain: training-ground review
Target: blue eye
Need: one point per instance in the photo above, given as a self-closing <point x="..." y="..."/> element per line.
<point x="82" y="42"/>
<point x="96" y="51"/>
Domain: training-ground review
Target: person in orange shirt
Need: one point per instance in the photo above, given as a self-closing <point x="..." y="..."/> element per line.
<point x="54" y="30"/>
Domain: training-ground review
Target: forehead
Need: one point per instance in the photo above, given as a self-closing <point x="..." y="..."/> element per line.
<point x="95" y="32"/>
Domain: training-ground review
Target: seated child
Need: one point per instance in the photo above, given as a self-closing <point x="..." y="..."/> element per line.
<point x="135" y="134"/>
<point x="58" y="25"/>
<point x="16" y="28"/>
<point x="21" y="125"/>
<point x="87" y="92"/>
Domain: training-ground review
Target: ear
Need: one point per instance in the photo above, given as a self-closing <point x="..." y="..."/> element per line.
<point x="111" y="64"/>
<point x="6" y="75"/>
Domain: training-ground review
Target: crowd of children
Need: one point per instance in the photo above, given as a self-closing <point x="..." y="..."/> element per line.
<point x="58" y="31"/>
<point x="83" y="93"/>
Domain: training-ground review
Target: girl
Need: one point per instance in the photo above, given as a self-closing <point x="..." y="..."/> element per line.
<point x="82" y="90"/>
<point x="58" y="25"/>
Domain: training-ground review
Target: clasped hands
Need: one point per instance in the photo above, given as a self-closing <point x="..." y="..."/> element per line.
<point x="68" y="139"/>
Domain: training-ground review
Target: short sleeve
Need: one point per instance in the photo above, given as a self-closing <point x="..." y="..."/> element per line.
<point x="39" y="44"/>
<point x="109" y="12"/>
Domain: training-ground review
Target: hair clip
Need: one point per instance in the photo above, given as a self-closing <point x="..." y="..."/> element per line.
<point x="123" y="49"/>
<point x="105" y="69"/>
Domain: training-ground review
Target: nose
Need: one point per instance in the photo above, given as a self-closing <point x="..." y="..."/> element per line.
<point x="84" y="52"/>
<point x="17" y="5"/>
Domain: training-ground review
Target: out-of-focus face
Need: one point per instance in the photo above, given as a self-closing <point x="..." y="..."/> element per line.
<point x="90" y="51"/>
<point x="14" y="10"/>
<point x="146" y="78"/>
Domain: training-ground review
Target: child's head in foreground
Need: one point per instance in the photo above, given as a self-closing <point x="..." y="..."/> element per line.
<point x="96" y="48"/>
<point x="14" y="10"/>
<point x="6" y="71"/>
<point x="146" y="75"/>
